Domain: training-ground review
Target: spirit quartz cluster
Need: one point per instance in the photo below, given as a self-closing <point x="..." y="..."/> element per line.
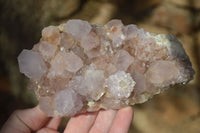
<point x="80" y="67"/>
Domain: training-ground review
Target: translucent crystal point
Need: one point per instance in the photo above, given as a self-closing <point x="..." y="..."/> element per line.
<point x="31" y="64"/>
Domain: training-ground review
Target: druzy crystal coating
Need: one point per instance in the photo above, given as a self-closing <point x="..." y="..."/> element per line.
<point x="80" y="67"/>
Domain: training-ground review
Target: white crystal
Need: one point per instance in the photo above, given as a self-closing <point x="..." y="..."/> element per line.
<point x="120" y="85"/>
<point x="72" y="62"/>
<point x="78" y="84"/>
<point x="57" y="66"/>
<point x="67" y="102"/>
<point x="123" y="60"/>
<point x="157" y="76"/>
<point x="77" y="28"/>
<point x="90" y="85"/>
<point x="47" y="50"/>
<point x="90" y="41"/>
<point x="94" y="81"/>
<point x="31" y="64"/>
<point x="114" y="23"/>
<point x="114" y="32"/>
<point x="130" y="31"/>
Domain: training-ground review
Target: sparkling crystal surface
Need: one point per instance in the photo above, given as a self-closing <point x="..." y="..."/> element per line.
<point x="80" y="67"/>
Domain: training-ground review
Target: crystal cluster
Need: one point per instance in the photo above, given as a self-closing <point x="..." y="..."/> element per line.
<point x="80" y="67"/>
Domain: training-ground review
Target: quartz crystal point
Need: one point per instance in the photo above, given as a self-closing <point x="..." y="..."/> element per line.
<point x="80" y="67"/>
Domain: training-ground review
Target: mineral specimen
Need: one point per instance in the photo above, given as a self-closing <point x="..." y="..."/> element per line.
<point x="80" y="67"/>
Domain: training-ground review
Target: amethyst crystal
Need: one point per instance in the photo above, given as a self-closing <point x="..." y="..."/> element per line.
<point x="80" y="67"/>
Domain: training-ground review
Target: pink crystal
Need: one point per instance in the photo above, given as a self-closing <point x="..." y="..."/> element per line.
<point x="80" y="67"/>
